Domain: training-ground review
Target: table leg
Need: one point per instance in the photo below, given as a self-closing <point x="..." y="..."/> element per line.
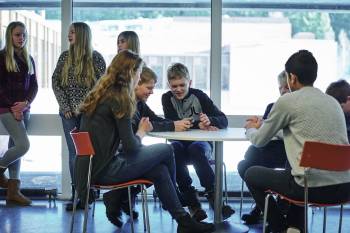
<point x="218" y="181"/>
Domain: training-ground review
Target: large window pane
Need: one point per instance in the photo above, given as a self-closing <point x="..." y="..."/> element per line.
<point x="260" y="42"/>
<point x="166" y="36"/>
<point x="256" y="44"/>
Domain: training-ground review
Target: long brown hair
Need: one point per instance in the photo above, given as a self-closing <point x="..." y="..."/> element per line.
<point x="117" y="84"/>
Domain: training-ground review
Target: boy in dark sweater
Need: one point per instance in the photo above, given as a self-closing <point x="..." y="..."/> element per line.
<point x="183" y="102"/>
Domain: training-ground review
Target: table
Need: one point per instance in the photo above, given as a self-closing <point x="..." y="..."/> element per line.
<point x="218" y="137"/>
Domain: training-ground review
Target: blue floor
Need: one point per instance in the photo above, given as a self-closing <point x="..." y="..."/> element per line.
<point x="42" y="217"/>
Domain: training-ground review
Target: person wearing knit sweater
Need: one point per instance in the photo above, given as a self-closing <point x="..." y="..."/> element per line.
<point x="306" y="114"/>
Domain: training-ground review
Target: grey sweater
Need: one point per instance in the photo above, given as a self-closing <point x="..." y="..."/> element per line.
<point x="305" y="115"/>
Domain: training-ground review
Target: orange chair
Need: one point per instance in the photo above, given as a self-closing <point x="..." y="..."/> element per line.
<point x="322" y="156"/>
<point x="84" y="147"/>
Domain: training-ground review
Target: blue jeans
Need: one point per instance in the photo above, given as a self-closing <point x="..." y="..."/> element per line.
<point x="196" y="153"/>
<point x="69" y="125"/>
<point x="18" y="144"/>
<point x="154" y="162"/>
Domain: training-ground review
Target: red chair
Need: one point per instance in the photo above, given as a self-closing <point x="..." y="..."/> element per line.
<point x="324" y="156"/>
<point x="84" y="147"/>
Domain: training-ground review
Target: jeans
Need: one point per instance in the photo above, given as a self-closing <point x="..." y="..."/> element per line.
<point x="259" y="179"/>
<point x="272" y="155"/>
<point x="154" y="162"/>
<point x="69" y="125"/>
<point x="18" y="143"/>
<point x="196" y="153"/>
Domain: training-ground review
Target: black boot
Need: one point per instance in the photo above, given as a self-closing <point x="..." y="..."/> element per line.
<point x="69" y="204"/>
<point x="188" y="225"/>
<point x="253" y="217"/>
<point x="191" y="197"/>
<point x="125" y="201"/>
<point x="112" y="201"/>
<point x="227" y="210"/>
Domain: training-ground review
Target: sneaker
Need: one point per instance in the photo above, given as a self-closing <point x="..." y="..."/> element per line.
<point x="197" y="213"/>
<point x="226" y="211"/>
<point x="186" y="224"/>
<point x="254" y="217"/>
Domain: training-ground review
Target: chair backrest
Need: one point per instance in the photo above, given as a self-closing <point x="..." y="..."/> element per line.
<point x="325" y="156"/>
<point x="82" y="143"/>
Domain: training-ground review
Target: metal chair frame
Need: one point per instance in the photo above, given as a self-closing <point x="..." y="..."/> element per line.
<point x="83" y="147"/>
<point x="316" y="155"/>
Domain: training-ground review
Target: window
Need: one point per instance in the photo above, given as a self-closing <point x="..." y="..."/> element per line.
<point x="166" y="36"/>
<point x="257" y="39"/>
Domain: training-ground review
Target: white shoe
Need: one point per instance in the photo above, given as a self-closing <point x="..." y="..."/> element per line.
<point x="293" y="230"/>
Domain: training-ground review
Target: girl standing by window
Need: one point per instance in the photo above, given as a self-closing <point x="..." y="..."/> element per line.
<point x="18" y="88"/>
<point x="76" y="72"/>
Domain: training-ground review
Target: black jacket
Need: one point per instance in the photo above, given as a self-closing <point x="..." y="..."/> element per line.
<point x="195" y="102"/>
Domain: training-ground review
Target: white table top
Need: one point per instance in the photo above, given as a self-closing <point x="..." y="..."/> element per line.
<point x="229" y="134"/>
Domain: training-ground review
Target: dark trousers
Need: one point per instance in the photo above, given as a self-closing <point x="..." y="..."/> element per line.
<point x="196" y="153"/>
<point x="154" y="162"/>
<point x="272" y="155"/>
<point x="259" y="179"/>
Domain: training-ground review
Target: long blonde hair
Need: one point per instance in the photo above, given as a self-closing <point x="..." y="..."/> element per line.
<point x="80" y="54"/>
<point x="117" y="84"/>
<point x="11" y="64"/>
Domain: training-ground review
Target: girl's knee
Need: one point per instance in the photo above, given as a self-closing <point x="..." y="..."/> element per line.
<point x="166" y="149"/>
<point x="23" y="148"/>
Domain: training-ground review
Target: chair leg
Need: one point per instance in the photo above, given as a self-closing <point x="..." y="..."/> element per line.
<point x="306" y="206"/>
<point x="146" y="207"/>
<point x="75" y="200"/>
<point x="130" y="208"/>
<point x="225" y="183"/>
<point x="340" y="218"/>
<point x="93" y="208"/>
<point x="324" y="219"/>
<point x="143" y="208"/>
<point x="267" y="198"/>
<point x="86" y="211"/>
<point x="241" y="202"/>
